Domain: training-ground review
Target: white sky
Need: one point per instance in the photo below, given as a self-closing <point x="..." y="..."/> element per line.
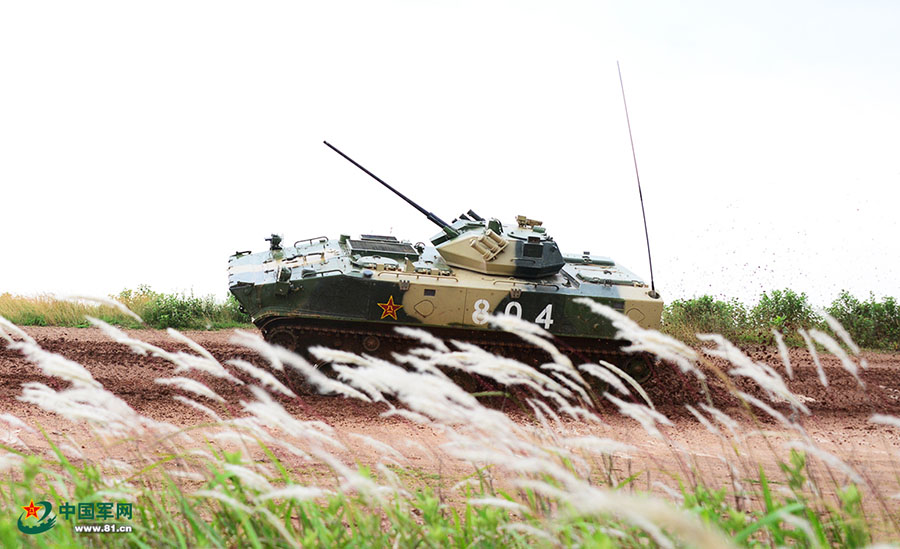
<point x="146" y="142"/>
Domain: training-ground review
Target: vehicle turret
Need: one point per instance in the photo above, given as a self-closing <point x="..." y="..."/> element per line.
<point x="524" y="250"/>
<point x="486" y="246"/>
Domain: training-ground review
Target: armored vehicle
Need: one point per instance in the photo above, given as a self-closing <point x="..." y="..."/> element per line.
<point x="351" y="293"/>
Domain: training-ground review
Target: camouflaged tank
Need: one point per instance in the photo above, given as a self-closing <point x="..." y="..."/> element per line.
<point x="352" y="293"/>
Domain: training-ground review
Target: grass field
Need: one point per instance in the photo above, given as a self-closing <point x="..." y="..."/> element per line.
<point x="154" y="309"/>
<point x="531" y="484"/>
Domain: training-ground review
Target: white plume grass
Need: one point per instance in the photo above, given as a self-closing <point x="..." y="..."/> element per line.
<point x="191" y="386"/>
<point x="764" y="375"/>
<point x="606" y="376"/>
<point x="104" y="301"/>
<point x="206" y="362"/>
<point x="884" y="419"/>
<point x="832" y="347"/>
<point x="644" y="340"/>
<point x="554" y="452"/>
<point x="826" y="457"/>
<point x="316" y="378"/>
<point x="55" y="365"/>
<point x="10" y="331"/>
<point x="296" y="493"/>
<point x="197" y="406"/>
<point x="783" y="352"/>
<point x="703" y="420"/>
<point x="815" y="356"/>
<point x="498" y="502"/>
<point x="256" y="343"/>
<point x="268" y="380"/>
<point x="647" y="417"/>
<point x="249" y="478"/>
<point x="841" y="332"/>
<point x="424" y="337"/>
<point x="381" y="447"/>
<point x="631" y="381"/>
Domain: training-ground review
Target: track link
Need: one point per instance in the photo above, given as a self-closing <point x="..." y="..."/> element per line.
<point x="382" y="340"/>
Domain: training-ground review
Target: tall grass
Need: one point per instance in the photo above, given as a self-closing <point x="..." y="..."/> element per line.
<point x="544" y="482"/>
<point x="154" y="309"/>
<point x="47" y="310"/>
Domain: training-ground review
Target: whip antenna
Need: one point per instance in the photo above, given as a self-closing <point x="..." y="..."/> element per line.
<point x="653" y="292"/>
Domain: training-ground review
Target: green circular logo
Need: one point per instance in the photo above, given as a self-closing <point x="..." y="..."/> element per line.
<point x="43" y="524"/>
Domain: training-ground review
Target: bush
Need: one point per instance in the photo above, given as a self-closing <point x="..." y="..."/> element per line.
<point x="684" y="318"/>
<point x="182" y="310"/>
<point x="870" y="323"/>
<point x="176" y="311"/>
<point x="233" y="310"/>
<point x="785" y="310"/>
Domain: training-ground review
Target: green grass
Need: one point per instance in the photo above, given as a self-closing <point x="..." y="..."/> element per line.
<point x="167" y="514"/>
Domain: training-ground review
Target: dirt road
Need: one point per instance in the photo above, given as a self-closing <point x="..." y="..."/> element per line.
<point x="839" y="420"/>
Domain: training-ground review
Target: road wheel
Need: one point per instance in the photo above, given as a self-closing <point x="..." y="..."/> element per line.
<point x="640" y="368"/>
<point x="283" y="337"/>
<point x="371" y="343"/>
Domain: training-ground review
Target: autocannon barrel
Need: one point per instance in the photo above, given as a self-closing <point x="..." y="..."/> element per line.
<point x="431" y="217"/>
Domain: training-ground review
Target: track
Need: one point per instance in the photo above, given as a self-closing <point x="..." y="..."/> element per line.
<point x="382" y="340"/>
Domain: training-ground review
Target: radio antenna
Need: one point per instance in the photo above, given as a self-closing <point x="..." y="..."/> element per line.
<point x="653" y="292"/>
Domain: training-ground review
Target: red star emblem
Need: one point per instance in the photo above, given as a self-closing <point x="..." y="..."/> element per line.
<point x="31" y="510"/>
<point x="390" y="309"/>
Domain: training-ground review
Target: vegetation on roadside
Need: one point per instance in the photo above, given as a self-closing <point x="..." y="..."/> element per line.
<point x="46" y="310"/>
<point x="157" y="310"/>
<point x="183" y="311"/>
<point x="872" y="324"/>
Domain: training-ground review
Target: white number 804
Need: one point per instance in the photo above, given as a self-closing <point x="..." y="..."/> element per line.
<point x="482" y="310"/>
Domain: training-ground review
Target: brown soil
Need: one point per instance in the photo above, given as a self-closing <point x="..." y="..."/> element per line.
<point x="839" y="420"/>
